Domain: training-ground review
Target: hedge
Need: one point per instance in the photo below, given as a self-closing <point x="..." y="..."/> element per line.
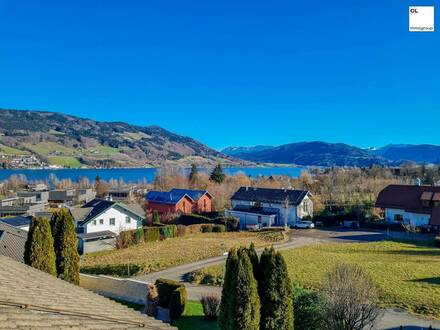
<point x="177" y="303"/>
<point x="172" y="295"/>
<point x="206" y="228"/>
<point x="168" y="231"/>
<point x="151" y="234"/>
<point x="230" y="223"/>
<point x="437" y="241"/>
<point x="218" y="228"/>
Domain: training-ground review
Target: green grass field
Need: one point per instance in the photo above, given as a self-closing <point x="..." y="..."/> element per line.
<point x="407" y="274"/>
<point x="46" y="148"/>
<point x="11" y="151"/>
<point x="64" y="161"/>
<point x="193" y="319"/>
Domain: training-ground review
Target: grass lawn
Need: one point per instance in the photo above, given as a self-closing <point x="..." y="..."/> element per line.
<point x="150" y="257"/>
<point x="45" y="148"/>
<point x="106" y="150"/>
<point x="192" y="319"/>
<point x="11" y="151"/>
<point x="64" y="161"/>
<point x="407" y="274"/>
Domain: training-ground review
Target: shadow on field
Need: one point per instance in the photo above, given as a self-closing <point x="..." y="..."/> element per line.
<point x="429" y="280"/>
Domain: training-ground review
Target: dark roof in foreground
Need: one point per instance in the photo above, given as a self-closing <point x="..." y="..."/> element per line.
<point x="97" y="234"/>
<point x="12" y="241"/>
<point x="31" y="299"/>
<point x="270" y="195"/>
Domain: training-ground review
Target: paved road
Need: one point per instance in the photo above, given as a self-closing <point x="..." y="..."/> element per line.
<point x="390" y="319"/>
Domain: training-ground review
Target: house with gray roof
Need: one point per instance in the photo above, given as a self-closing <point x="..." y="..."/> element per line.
<point x="31" y="299"/>
<point x="104" y="219"/>
<point x="267" y="207"/>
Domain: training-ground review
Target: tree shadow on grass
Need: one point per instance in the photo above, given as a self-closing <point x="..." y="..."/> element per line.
<point x="429" y="280"/>
<point x="193" y="322"/>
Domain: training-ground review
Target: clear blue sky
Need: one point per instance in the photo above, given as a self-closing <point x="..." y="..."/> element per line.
<point x="228" y="72"/>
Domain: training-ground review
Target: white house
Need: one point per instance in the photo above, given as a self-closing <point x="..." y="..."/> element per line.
<point x="99" y="222"/>
<point x="411" y="204"/>
<point x="270" y="207"/>
<point x="102" y="215"/>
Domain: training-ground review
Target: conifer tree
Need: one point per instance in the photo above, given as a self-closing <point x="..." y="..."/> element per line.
<point x="66" y="246"/>
<point x="240" y="305"/>
<point x="217" y="174"/>
<point x="39" y="248"/>
<point x="155" y="218"/>
<point x="229" y="297"/>
<point x="194" y="173"/>
<point x="275" y="292"/>
<point x="253" y="256"/>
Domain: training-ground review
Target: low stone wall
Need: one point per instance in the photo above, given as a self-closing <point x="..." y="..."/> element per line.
<point x="124" y="289"/>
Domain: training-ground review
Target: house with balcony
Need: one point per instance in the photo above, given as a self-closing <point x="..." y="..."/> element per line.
<point x="267" y="207"/>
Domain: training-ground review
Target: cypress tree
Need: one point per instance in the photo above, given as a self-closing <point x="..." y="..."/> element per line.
<point x="155" y="219"/>
<point x="39" y="248"/>
<point x="229" y="297"/>
<point x="66" y="246"/>
<point x="253" y="256"/>
<point x="275" y="292"/>
<point x="240" y="305"/>
<point x="194" y="173"/>
<point x="217" y="174"/>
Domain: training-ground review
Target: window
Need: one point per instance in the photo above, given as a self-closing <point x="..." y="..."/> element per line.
<point x="259" y="219"/>
<point x="112" y="221"/>
<point x="94" y="222"/>
<point x="398" y="217"/>
<point x="101" y="221"/>
<point x="127" y="220"/>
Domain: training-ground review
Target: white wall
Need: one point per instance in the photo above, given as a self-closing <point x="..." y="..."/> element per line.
<point x="414" y="219"/>
<point x="294" y="213"/>
<point x="120" y="222"/>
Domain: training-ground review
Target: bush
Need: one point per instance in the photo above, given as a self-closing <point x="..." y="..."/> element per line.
<point x="218" y="228"/>
<point x="165" y="288"/>
<point x="308" y="309"/>
<point x="210" y="304"/>
<point x="437" y="241"/>
<point x="181" y="231"/>
<point x="124" y="240"/>
<point x="206" y="228"/>
<point x="177" y="302"/>
<point x="193" y="229"/>
<point x="151" y="234"/>
<point x="193" y="219"/>
<point x="351" y="297"/>
<point x="168" y="231"/>
<point x="138" y="236"/>
<point x="172" y="295"/>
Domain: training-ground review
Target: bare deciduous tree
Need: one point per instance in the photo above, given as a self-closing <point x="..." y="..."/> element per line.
<point x="351" y="299"/>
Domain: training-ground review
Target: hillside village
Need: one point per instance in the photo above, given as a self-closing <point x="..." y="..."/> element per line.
<point x="175" y="222"/>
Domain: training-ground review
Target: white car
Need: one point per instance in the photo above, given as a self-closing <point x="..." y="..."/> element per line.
<point x="304" y="224"/>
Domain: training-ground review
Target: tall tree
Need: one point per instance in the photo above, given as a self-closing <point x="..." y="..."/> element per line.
<point x="217" y="174"/>
<point x="275" y="292"/>
<point x="66" y="246"/>
<point x="194" y="173"/>
<point x="240" y="306"/>
<point x="253" y="257"/>
<point x="39" y="248"/>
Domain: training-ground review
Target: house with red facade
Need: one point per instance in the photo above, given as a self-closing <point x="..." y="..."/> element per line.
<point x="179" y="201"/>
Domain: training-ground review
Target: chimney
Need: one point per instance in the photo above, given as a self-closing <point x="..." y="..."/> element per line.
<point x="247" y="188"/>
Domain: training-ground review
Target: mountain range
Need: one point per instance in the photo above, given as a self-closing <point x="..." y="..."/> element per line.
<point x="319" y="153"/>
<point x="69" y="141"/>
<point x="65" y="140"/>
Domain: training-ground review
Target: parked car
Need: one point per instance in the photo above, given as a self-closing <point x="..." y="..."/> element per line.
<point x="304" y="224"/>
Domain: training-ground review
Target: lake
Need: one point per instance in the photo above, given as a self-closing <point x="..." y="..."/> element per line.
<point x="137" y="174"/>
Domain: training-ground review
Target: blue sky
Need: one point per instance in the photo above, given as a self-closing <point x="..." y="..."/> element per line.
<point x="228" y="72"/>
